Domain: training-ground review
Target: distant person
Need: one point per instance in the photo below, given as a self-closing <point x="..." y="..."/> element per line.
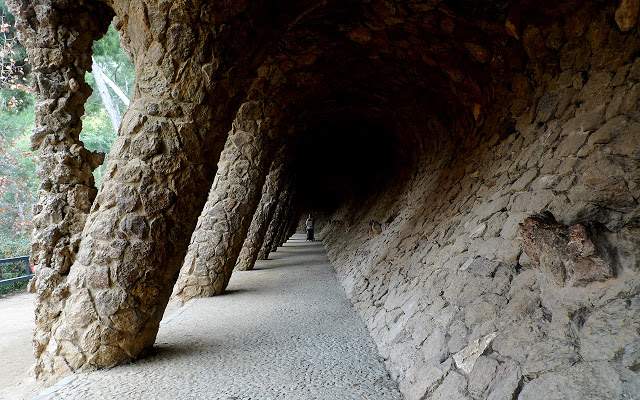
<point x="310" y="228"/>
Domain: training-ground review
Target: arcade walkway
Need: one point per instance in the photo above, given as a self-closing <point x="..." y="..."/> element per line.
<point x="283" y="331"/>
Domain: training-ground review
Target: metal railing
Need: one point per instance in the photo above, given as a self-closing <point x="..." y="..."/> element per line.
<point x="26" y="277"/>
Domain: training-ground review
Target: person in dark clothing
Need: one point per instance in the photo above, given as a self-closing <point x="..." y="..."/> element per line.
<point x="310" y="228"/>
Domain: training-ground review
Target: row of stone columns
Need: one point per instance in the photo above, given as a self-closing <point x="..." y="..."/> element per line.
<point x="264" y="213"/>
<point x="233" y="198"/>
<point x="58" y="41"/>
<point x="106" y="262"/>
<point x="273" y="230"/>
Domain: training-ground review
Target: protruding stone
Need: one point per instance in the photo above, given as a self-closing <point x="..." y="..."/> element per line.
<point x="466" y="358"/>
<point x="627" y="14"/>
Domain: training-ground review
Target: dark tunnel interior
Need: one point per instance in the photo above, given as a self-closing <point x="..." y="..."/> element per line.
<point x="342" y="158"/>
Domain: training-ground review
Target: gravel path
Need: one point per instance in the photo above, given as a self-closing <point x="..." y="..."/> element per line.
<point x="284" y="331"/>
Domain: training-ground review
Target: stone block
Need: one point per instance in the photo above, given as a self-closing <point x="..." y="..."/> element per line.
<point x="422" y="378"/>
<point x="585" y="380"/>
<point x="478" y="231"/>
<point x="482" y="267"/>
<point x="511" y="227"/>
<point x="609" y="332"/>
<point x="434" y="347"/>
<point x="548" y="181"/>
<point x="107" y="302"/>
<point x="571" y="144"/>
<point x="565" y="184"/>
<point x="585" y="122"/>
<point x="135" y="226"/>
<point x="627" y="14"/>
<point x="454" y="386"/>
<point x="546" y="107"/>
<point x="80" y="310"/>
<point x="97" y="277"/>
<point x="488" y="208"/>
<point x="458" y="336"/>
<point x="610" y="130"/>
<point x="509" y="250"/>
<point x="506" y="382"/>
<point x="620" y="76"/>
<point x="602" y="184"/>
<point x="627" y="144"/>
<point x="482" y="375"/>
<point x="524" y="180"/>
<point x="540" y="199"/>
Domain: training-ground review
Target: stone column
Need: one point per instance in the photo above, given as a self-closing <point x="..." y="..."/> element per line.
<point x="278" y="215"/>
<point x="285" y="222"/>
<point x="234" y="196"/>
<point x="269" y="237"/>
<point x="262" y="216"/>
<point x="58" y="38"/>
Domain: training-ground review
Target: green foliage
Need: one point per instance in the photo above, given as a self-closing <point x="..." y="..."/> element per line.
<point x="115" y="64"/>
<point x="18" y="179"/>
<point x="97" y="130"/>
<point x="18" y="182"/>
<point x="14" y="67"/>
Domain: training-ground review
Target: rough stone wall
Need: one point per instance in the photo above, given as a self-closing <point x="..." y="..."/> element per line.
<point x="467" y="289"/>
<point x="59" y="42"/>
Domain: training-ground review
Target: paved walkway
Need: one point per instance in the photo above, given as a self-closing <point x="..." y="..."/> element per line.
<point x="284" y="331"/>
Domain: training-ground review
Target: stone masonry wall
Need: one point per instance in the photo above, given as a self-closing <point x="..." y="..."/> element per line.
<point x="467" y="287"/>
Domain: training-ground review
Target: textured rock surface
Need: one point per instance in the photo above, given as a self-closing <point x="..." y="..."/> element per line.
<point x="263" y="214"/>
<point x="454" y="265"/>
<point x="116" y="277"/>
<point x="235" y="194"/>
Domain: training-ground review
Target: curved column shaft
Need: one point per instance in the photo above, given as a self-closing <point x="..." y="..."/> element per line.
<point x="262" y="216"/>
<point x="223" y="224"/>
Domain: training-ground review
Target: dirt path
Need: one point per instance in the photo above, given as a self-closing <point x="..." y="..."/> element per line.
<point x="16" y="378"/>
<point x="284" y="331"/>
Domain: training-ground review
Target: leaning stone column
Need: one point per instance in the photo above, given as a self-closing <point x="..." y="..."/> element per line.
<point x="58" y="38"/>
<point x="223" y="224"/>
<point x="272" y="231"/>
<point x="285" y="222"/>
<point x="262" y="216"/>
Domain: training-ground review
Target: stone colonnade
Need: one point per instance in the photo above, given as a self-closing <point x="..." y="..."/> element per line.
<point x="106" y="262"/>
<point x="274" y="228"/>
<point x="264" y="213"/>
<point x="233" y="199"/>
